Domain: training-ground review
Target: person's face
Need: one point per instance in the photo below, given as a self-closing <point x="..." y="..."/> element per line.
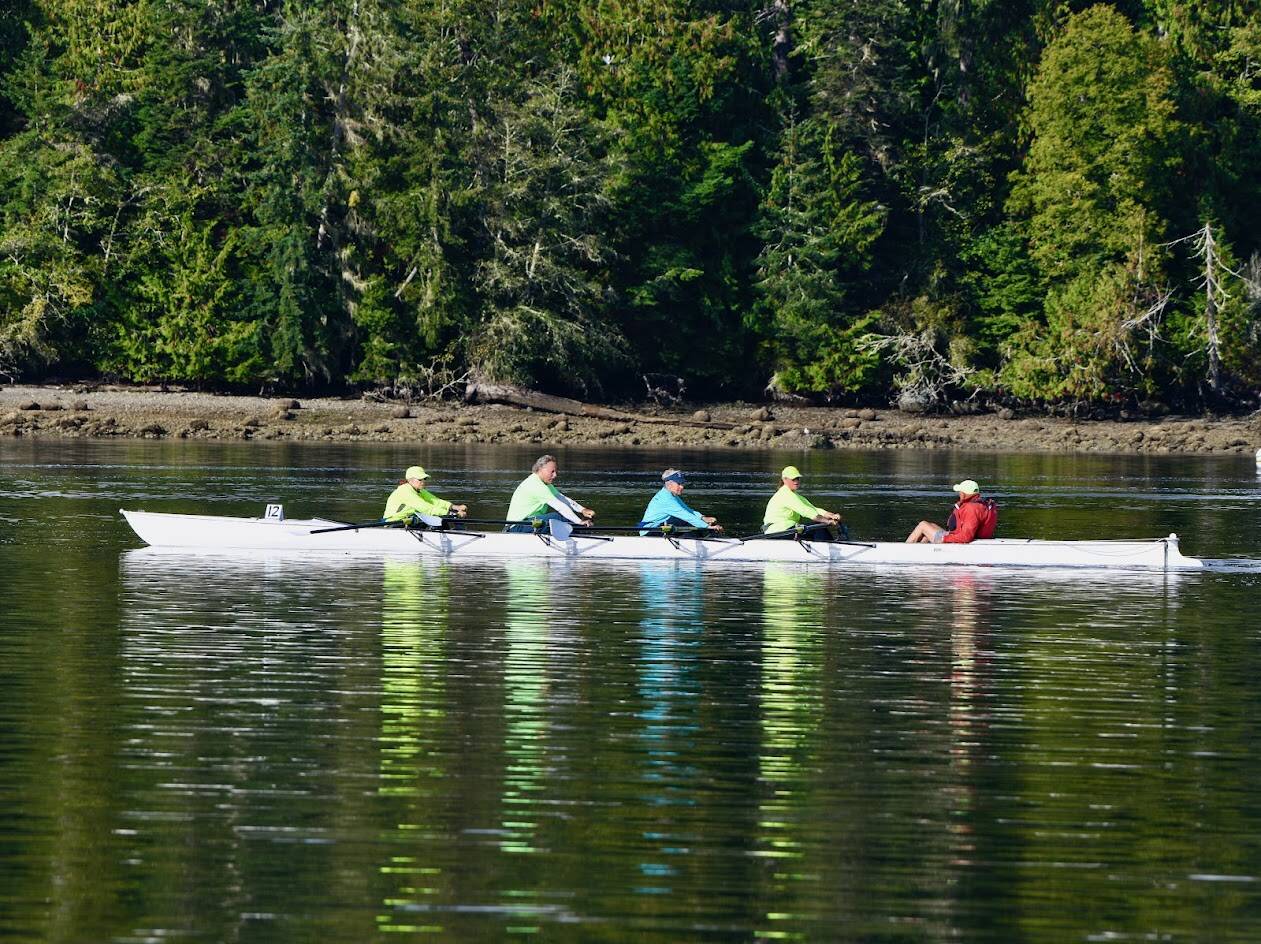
<point x="676" y="488"/>
<point x="417" y="484"/>
<point x="792" y="484"/>
<point x="548" y="473"/>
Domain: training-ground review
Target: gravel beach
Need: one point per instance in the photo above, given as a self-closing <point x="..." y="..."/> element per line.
<point x="84" y="411"/>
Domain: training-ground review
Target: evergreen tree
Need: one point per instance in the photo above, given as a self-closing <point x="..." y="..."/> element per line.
<point x="1095" y="190"/>
<point x="680" y="83"/>
<point x="285" y="193"/>
<point x="542" y="279"/>
<point x="13" y="38"/>
<point x="817" y="230"/>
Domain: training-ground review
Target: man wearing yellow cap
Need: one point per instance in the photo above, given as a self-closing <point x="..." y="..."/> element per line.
<point x="787" y="508"/>
<point x="973" y="517"/>
<point x="412" y="498"/>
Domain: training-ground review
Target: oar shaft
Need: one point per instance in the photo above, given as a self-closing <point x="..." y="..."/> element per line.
<point x="654" y="530"/>
<point x="789" y="533"/>
<point x="355" y="527"/>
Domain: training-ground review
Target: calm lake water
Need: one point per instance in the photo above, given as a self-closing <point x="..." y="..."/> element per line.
<point x="228" y="749"/>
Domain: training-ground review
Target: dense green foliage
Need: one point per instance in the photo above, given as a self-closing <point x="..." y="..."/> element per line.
<point x="1041" y="200"/>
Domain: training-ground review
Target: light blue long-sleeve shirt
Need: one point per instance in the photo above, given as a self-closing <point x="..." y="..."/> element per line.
<point x="665" y="504"/>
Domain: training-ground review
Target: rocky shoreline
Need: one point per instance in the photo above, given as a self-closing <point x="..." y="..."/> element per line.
<point x="108" y="411"/>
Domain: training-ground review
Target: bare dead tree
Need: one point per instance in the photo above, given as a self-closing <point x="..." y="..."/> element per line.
<point x="1206" y="249"/>
<point x="1148" y="322"/>
<point x="1214" y="271"/>
<point x="926" y="374"/>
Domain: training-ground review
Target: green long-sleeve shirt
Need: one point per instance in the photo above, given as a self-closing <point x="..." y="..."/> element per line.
<point x="533" y="498"/>
<point x="787" y="509"/>
<point x="405" y="501"/>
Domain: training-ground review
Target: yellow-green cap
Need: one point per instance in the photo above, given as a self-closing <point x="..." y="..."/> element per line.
<point x="415" y="472"/>
<point x="790" y="472"/>
<point x="967" y="487"/>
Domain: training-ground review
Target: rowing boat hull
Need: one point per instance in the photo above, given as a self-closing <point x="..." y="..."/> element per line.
<point x="214" y="534"/>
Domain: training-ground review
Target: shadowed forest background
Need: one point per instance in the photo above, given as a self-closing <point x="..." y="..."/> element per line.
<point x="887" y="200"/>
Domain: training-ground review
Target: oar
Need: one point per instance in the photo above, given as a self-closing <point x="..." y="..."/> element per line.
<point x="428" y="520"/>
<point x="383" y="523"/>
<point x="759" y="536"/>
<point x="563" y="530"/>
<point x="659" y="529"/>
<point x="692" y="534"/>
<point x="791" y="532"/>
<point x="800" y="531"/>
<point x="529" y="521"/>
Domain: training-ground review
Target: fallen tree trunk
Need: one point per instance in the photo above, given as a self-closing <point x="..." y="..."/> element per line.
<point x="522" y="396"/>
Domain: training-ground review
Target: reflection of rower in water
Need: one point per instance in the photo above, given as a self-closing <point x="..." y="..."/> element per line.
<point x="418" y="725"/>
<point x="668" y="508"/>
<point x="537" y="498"/>
<point x="411" y="499"/>
<point x="791" y="701"/>
<point x="787" y="510"/>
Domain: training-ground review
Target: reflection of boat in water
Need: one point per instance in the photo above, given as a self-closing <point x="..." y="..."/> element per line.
<point x="316" y="537"/>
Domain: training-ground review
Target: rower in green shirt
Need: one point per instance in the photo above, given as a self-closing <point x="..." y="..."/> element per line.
<point x="412" y="498"/>
<point x="537" y="497"/>
<point x="787" y="509"/>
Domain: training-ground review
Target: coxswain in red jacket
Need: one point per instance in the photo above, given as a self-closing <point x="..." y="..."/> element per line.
<point x="973" y="518"/>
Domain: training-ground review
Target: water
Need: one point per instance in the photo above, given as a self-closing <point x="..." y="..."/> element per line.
<point x="226" y="749"/>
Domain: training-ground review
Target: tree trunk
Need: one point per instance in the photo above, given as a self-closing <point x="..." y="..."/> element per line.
<point x="1210" y="310"/>
<point x="522" y="396"/>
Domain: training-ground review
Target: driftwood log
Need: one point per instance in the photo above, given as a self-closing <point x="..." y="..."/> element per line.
<point x="521" y="396"/>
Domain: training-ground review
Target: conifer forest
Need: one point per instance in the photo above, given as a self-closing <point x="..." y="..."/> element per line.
<point x="899" y="201"/>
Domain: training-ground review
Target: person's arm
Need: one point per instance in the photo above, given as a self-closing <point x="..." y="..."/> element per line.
<point x="566" y="506"/>
<point x="803" y="506"/>
<point x="431" y="504"/>
<point x="810" y="511"/>
<point x="967" y="521"/>
<point x="821" y="515"/>
<point x="680" y="509"/>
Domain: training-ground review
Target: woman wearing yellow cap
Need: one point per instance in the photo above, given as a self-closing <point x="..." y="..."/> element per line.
<point x="412" y="498"/>
<point x="787" y="508"/>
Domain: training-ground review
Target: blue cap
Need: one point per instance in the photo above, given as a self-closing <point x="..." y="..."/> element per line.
<point x="673" y="475"/>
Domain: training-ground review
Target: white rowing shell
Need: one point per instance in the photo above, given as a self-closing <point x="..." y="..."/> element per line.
<point x="209" y="533"/>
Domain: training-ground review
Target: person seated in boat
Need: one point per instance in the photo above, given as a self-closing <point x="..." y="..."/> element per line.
<point x="973" y="518"/>
<point x="537" y="498"/>
<point x="789" y="509"/>
<point x="668" y="507"/>
<point x="412" y="498"/>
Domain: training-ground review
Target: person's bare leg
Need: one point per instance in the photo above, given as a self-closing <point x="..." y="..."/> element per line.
<point x="923" y="533"/>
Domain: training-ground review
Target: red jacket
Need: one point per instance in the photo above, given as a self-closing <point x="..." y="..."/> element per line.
<point x="972" y="518"/>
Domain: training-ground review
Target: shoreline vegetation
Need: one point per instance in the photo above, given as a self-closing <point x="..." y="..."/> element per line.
<point x="1041" y="205"/>
<point x="111" y="411"/>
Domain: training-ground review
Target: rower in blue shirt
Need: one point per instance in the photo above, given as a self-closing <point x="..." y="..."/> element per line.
<point x="668" y="507"/>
